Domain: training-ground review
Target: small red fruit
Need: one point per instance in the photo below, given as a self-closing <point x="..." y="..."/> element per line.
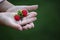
<point x="24" y="12"/>
<point x="17" y="17"/>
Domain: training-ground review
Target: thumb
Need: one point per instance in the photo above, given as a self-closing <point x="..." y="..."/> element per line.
<point x="31" y="7"/>
<point x="14" y="9"/>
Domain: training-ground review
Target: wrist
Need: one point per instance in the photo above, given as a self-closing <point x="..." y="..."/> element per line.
<point x="5" y="5"/>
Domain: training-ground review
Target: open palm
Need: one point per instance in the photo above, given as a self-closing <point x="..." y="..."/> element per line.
<point x="8" y="19"/>
<point x="27" y="19"/>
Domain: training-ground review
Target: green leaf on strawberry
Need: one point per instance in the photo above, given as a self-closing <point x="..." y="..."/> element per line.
<point x="20" y="13"/>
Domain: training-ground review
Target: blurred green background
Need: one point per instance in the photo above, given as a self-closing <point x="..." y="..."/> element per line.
<point x="47" y="26"/>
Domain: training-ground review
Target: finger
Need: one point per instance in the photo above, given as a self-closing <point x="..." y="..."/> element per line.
<point x="31" y="14"/>
<point x="32" y="24"/>
<point x="33" y="7"/>
<point x="25" y="27"/>
<point x="28" y="26"/>
<point x="28" y="20"/>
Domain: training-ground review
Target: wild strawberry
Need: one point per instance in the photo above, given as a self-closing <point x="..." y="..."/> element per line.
<point x="17" y="17"/>
<point x="24" y="12"/>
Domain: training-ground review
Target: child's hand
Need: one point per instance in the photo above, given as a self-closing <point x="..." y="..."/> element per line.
<point x="7" y="18"/>
<point x="32" y="14"/>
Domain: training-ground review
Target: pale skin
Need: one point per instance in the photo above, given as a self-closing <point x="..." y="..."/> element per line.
<point x="27" y="21"/>
<point x="7" y="18"/>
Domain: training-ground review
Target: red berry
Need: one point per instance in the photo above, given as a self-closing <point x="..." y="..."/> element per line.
<point x="24" y="12"/>
<point x="17" y="17"/>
